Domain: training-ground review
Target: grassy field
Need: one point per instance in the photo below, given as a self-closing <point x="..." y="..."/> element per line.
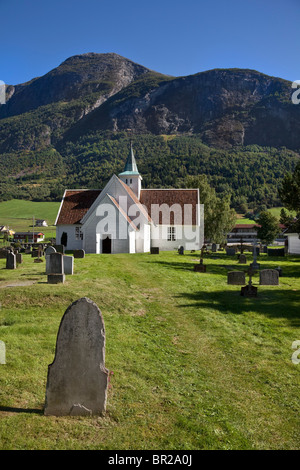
<point x="18" y="215"/>
<point x="195" y="365"/>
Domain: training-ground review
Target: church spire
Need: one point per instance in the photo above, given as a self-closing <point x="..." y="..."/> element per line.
<point x="130" y="165"/>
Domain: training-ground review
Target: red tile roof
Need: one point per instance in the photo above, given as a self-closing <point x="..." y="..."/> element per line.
<point x="182" y="197"/>
<point x="75" y="205"/>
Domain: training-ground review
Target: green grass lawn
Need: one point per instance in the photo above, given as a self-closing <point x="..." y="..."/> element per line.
<point x="18" y="215"/>
<point x="195" y="365"/>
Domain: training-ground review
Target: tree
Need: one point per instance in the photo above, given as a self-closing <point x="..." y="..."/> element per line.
<point x="289" y="193"/>
<point x="219" y="218"/>
<point x="268" y="230"/>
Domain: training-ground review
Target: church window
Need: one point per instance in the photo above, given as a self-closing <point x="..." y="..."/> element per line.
<point x="171" y="234"/>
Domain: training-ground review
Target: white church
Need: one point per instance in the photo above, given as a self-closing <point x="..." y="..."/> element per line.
<point x="124" y="218"/>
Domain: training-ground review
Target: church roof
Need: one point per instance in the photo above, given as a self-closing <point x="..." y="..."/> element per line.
<point x="185" y="198"/>
<point x="130" y="165"/>
<point x="75" y="205"/>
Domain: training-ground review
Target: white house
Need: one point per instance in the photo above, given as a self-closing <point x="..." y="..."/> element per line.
<point x="124" y="218"/>
<point x="293" y="243"/>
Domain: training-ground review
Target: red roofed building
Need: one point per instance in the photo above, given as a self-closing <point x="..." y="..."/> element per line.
<point x="124" y="218"/>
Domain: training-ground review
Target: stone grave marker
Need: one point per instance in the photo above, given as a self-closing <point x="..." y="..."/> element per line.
<point x="181" y="250"/>
<point x="19" y="258"/>
<point x="56" y="268"/>
<point x="154" y="250"/>
<point x="236" y="278"/>
<point x="68" y="264"/>
<point x="11" y="261"/>
<point x="230" y="251"/>
<point x="60" y="248"/>
<point x="79" y="253"/>
<point x="77" y="378"/>
<point x="50" y="249"/>
<point x="242" y="259"/>
<point x="200" y="268"/>
<point x="269" y="277"/>
<point x="249" y="290"/>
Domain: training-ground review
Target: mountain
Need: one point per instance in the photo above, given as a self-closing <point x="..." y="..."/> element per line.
<point x="73" y="123"/>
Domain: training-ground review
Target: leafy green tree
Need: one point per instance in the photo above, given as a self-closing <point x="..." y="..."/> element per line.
<point x="219" y="218"/>
<point x="268" y="230"/>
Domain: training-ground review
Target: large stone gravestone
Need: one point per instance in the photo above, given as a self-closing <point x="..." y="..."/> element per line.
<point x="50" y="249"/>
<point x="56" y="268"/>
<point x="230" y="251"/>
<point x="77" y="379"/>
<point x="11" y="261"/>
<point x="276" y="252"/>
<point x="236" y="278"/>
<point x="181" y="250"/>
<point x="269" y="277"/>
<point x="154" y="250"/>
<point x="68" y="264"/>
<point x="60" y="248"/>
<point x="19" y="258"/>
<point x="2" y="353"/>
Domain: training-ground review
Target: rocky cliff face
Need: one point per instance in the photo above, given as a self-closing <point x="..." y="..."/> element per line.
<point x="92" y="92"/>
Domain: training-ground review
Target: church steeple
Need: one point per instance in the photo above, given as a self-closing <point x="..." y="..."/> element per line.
<point x="131" y="175"/>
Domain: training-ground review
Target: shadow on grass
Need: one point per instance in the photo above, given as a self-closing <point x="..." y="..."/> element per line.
<point x="271" y="302"/>
<point x="9" y="409"/>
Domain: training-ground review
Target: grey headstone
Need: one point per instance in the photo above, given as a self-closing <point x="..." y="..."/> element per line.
<point x="214" y="248"/>
<point x="2" y="353"/>
<point x="68" y="264"/>
<point x="19" y="258"/>
<point x="49" y="250"/>
<point x="230" y="251"/>
<point x="77" y="379"/>
<point x="181" y="250"/>
<point x="59" y="248"/>
<point x="276" y="252"/>
<point x="236" y="278"/>
<point x="11" y="261"/>
<point x="242" y="259"/>
<point x="154" y="250"/>
<point x="269" y="277"/>
<point x="79" y="253"/>
<point x="56" y="263"/>
<point x="56" y="278"/>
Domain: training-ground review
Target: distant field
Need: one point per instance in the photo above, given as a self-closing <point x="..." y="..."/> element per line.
<point x="18" y="215"/>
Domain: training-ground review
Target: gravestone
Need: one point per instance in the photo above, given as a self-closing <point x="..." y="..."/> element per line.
<point x="181" y="250"/>
<point x="249" y="290"/>
<point x="3" y="254"/>
<point x="214" y="248"/>
<point x="79" y="253"/>
<point x="276" y="252"/>
<point x="19" y="258"/>
<point x="50" y="249"/>
<point x="236" y="278"/>
<point x="279" y="269"/>
<point x="242" y="259"/>
<point x="77" y="378"/>
<point x="2" y="353"/>
<point x="154" y="250"/>
<point x="11" y="261"/>
<point x="56" y="268"/>
<point x="230" y="251"/>
<point x="68" y="264"/>
<point x="269" y="277"/>
<point x="265" y="249"/>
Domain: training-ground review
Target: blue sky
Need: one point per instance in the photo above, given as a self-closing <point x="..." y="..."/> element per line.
<point x="170" y="36"/>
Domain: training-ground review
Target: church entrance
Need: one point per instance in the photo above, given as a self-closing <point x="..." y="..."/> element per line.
<point x="106" y="245"/>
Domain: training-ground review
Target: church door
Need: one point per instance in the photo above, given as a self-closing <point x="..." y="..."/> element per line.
<point x="106" y="245"/>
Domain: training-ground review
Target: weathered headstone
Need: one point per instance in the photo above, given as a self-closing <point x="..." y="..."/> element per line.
<point x="19" y="258"/>
<point x="11" y="261"/>
<point x="242" y="259"/>
<point x="214" y="247"/>
<point x="50" y="249"/>
<point x="236" y="278"/>
<point x="200" y="268"/>
<point x="56" y="268"/>
<point x="181" y="250"/>
<point x="79" y="253"/>
<point x="2" y="353"/>
<point x="279" y="269"/>
<point x="154" y="250"/>
<point x="68" y="264"/>
<point x="269" y="277"/>
<point x="77" y="379"/>
<point x="276" y="252"/>
<point x="3" y="254"/>
<point x="230" y="251"/>
<point x="249" y="290"/>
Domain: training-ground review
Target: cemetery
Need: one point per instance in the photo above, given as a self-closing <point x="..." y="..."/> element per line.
<point x="173" y="352"/>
